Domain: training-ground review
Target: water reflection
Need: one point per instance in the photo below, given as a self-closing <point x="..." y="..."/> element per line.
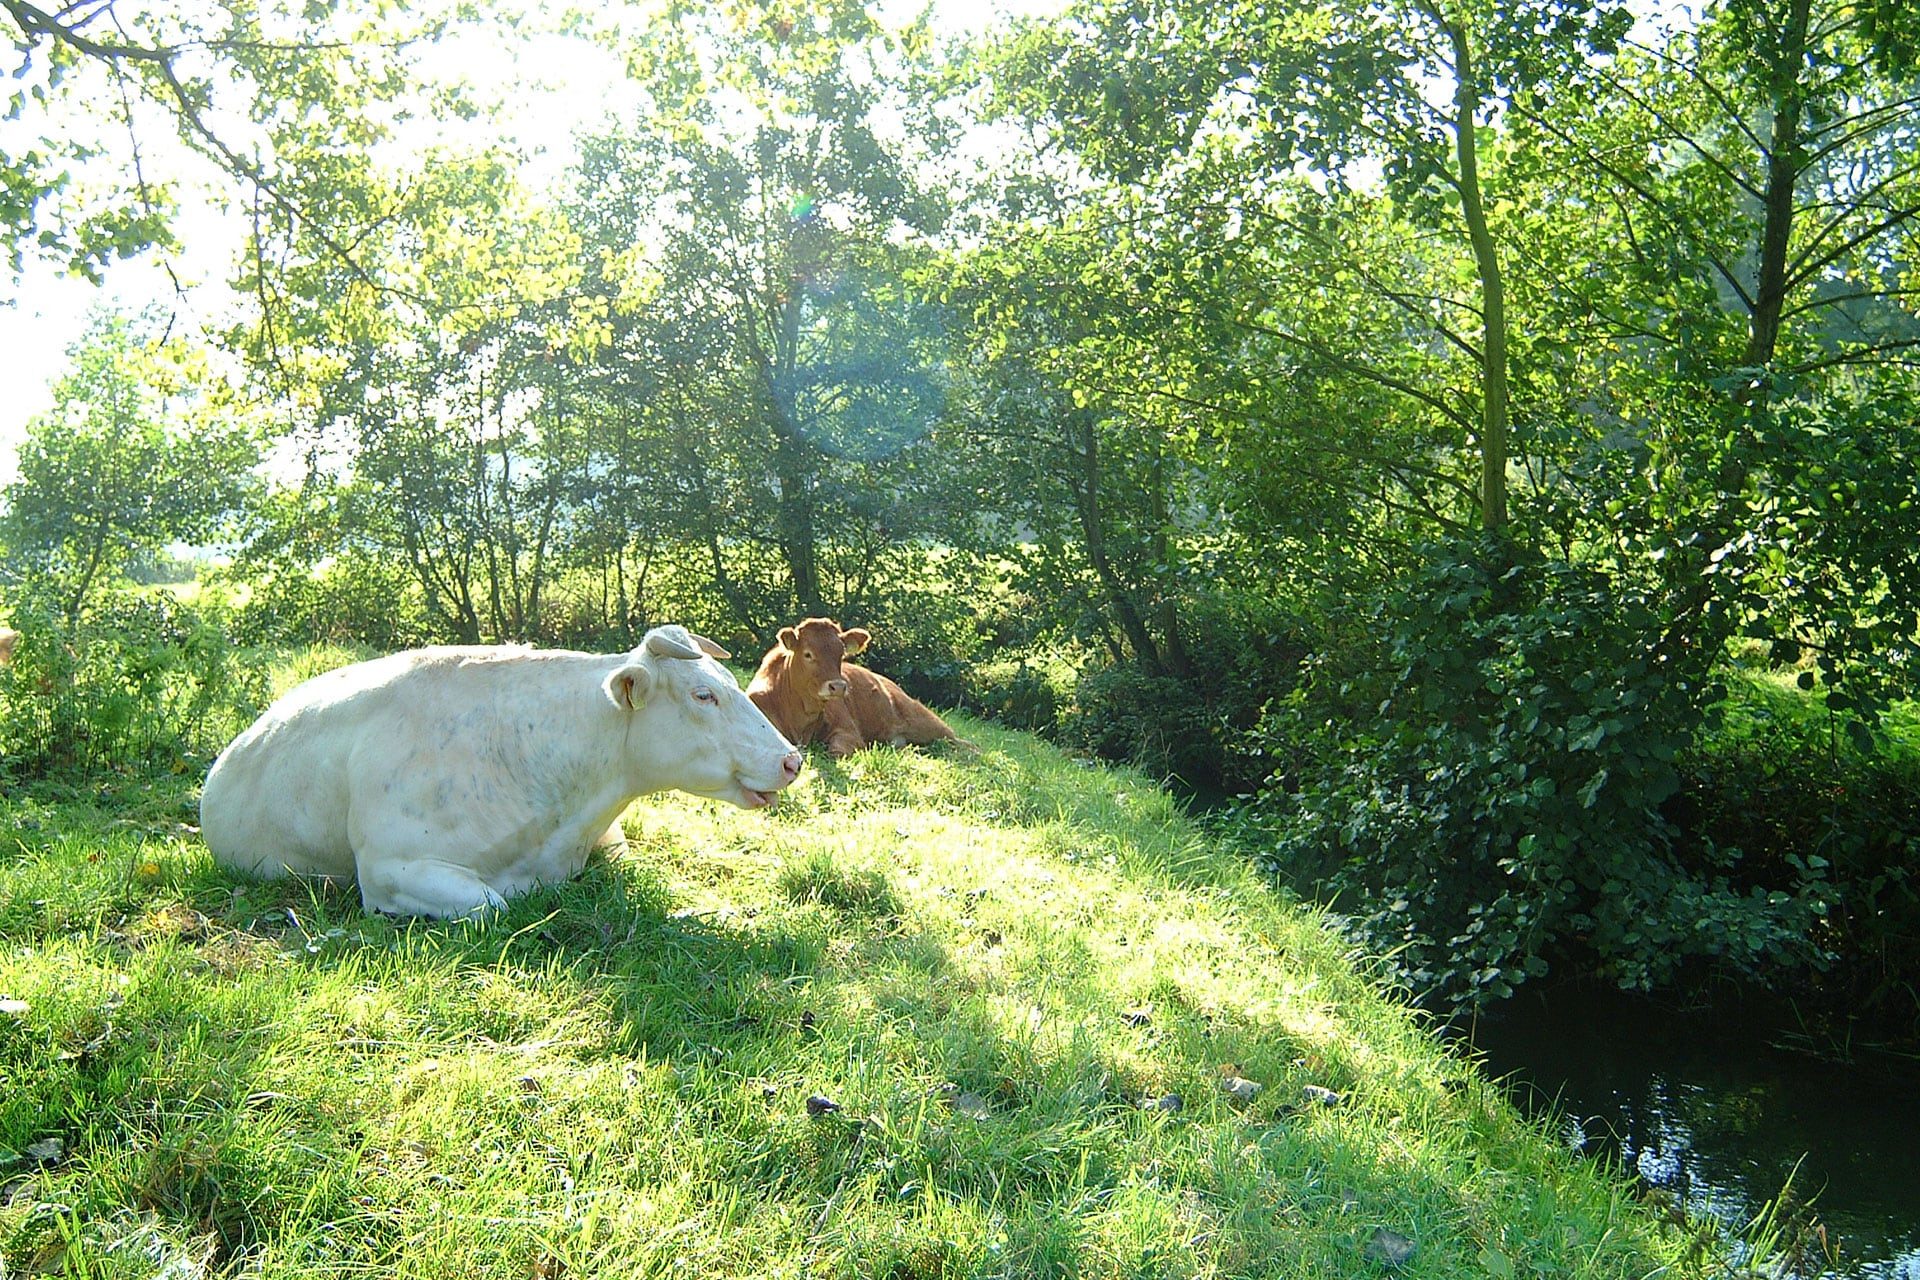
<point x="1706" y="1110"/>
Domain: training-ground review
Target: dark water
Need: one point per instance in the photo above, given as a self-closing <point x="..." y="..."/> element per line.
<point x="1704" y="1107"/>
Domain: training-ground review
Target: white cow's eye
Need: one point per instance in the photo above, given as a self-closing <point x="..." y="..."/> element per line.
<point x="704" y="694"/>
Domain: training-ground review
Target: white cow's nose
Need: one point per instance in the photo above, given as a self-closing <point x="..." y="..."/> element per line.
<point x="791" y="765"/>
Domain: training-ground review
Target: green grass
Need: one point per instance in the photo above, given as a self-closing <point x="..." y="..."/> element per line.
<point x="988" y="963"/>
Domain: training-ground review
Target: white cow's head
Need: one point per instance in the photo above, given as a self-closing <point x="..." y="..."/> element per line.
<point x="693" y="728"/>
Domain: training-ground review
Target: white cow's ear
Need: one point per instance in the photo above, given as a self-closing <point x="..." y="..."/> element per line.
<point x="627" y="687"/>
<point x="671" y="642"/>
<point x="857" y="640"/>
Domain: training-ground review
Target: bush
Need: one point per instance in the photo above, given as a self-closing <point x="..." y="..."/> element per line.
<point x="1016" y="693"/>
<point x="1247" y="650"/>
<point x="141" y="681"/>
<point x="1482" y="790"/>
<point x="1163" y="725"/>
<point x="1781" y="793"/>
<point x="355" y="600"/>
<point x="924" y="640"/>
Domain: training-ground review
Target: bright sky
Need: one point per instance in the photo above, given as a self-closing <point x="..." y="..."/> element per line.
<point x="572" y="84"/>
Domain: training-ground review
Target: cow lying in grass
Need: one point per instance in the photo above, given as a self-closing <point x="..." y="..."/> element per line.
<point x="447" y="780"/>
<point x="812" y="694"/>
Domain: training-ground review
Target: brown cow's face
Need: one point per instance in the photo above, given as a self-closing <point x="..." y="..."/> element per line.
<point x="818" y="646"/>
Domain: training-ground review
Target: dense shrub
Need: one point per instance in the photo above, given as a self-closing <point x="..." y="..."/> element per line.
<point x="1015" y="692"/>
<point x="1121" y="712"/>
<point x="1483" y="791"/>
<point x="139" y="681"/>
<point x="1780" y="791"/>
<point x="356" y="599"/>
<point x="1246" y="651"/>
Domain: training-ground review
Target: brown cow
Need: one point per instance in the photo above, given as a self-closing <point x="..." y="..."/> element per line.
<point x="811" y="694"/>
<point x="8" y="638"/>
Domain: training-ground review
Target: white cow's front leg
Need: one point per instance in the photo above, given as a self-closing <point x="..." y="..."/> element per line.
<point x="425" y="887"/>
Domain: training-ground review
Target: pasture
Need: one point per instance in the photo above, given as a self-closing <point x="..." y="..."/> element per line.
<point x="935" y="1015"/>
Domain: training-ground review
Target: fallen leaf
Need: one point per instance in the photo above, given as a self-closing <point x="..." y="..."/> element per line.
<point x="1389" y="1247"/>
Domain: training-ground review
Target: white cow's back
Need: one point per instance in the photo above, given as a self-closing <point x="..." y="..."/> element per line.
<point x="448" y="779"/>
<point x="287" y="793"/>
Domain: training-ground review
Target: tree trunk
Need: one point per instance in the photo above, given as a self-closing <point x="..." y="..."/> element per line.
<point x="1493" y="294"/>
<point x="796" y="515"/>
<point x="1093" y="534"/>
<point x="1783" y="172"/>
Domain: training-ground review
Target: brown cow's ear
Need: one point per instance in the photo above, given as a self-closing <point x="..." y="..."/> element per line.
<point x="627" y="687"/>
<point x="857" y="639"/>
<point x="789" y="638"/>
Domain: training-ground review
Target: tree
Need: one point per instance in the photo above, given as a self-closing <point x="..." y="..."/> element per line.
<point x="305" y="81"/>
<point x="1255" y="97"/>
<point x="776" y="210"/>
<point x="130" y="459"/>
<point x="1749" y="309"/>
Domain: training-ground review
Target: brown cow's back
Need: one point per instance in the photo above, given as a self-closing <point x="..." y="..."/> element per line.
<point x="884" y="712"/>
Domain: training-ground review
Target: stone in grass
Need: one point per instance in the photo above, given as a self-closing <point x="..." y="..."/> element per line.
<point x="46" y="1151"/>
<point x="1141" y="1017"/>
<point x="963" y="1102"/>
<point x="1239" y="1088"/>
<point x="820" y="1105"/>
<point x="1389" y="1247"/>
<point x="13" y="1008"/>
<point x="1168" y="1102"/>
<point x="1320" y="1095"/>
<point x="971" y="1105"/>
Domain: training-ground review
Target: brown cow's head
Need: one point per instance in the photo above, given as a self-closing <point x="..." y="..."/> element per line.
<point x="816" y="648"/>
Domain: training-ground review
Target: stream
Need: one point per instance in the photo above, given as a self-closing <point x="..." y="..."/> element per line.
<point x="1701" y="1105"/>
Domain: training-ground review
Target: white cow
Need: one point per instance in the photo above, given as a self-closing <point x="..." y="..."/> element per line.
<point x="446" y="780"/>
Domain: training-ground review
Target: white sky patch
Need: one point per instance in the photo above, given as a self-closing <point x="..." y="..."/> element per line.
<point x="549" y="88"/>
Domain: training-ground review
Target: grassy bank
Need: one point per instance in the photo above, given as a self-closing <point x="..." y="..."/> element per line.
<point x="935" y="1016"/>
